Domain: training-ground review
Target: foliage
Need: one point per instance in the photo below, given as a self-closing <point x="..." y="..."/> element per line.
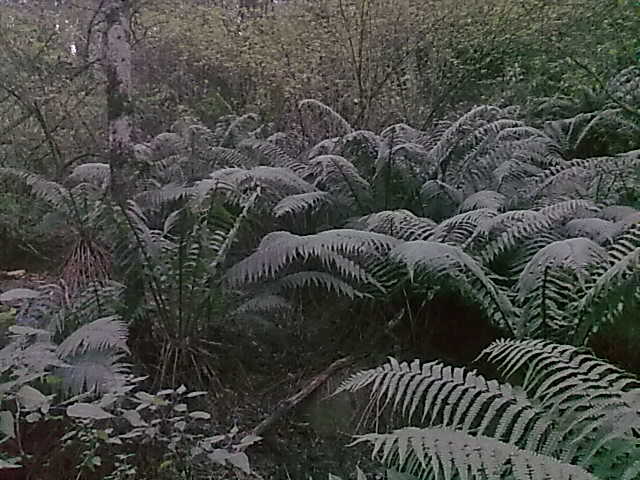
<point x="378" y="170"/>
<point x="564" y="420"/>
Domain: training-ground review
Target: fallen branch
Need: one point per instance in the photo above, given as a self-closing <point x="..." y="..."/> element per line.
<point x="288" y="404"/>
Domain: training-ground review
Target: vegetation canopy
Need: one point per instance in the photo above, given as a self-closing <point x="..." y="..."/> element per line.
<point x="217" y="216"/>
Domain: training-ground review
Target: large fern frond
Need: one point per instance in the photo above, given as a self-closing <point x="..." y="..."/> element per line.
<point x="596" y="403"/>
<point x="455" y="398"/>
<point x="554" y="278"/>
<point x="441" y="453"/>
<point x="302" y="203"/>
<point x="96" y="371"/>
<point x="433" y="264"/>
<point x="615" y="287"/>
<point x="545" y="221"/>
<point x="401" y="224"/>
<point x="333" y="124"/>
<point x="337" y="250"/>
<point x="108" y="333"/>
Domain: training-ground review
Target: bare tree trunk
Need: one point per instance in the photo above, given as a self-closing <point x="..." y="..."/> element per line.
<point x="117" y="67"/>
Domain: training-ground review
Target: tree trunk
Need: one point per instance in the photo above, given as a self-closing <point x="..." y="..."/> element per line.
<point x="117" y="67"/>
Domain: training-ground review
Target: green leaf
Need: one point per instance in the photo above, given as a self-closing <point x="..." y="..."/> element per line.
<point x="30" y="398"/>
<point x="195" y="394"/>
<point x="19" y="294"/>
<point x="134" y="418"/>
<point x="33" y="417"/>
<point x="200" y="415"/>
<point x="7" y="424"/>
<point x="181" y="407"/>
<point x="241" y="461"/>
<point x="6" y="465"/>
<point x="87" y="411"/>
<point x="149" y="399"/>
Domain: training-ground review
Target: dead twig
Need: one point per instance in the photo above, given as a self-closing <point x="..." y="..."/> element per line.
<point x="288" y="404"/>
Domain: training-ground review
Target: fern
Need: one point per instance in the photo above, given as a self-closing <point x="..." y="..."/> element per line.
<point x="332" y="122"/>
<point x="454" y="398"/>
<point x="427" y="264"/>
<point x="309" y="203"/>
<point x="338" y="176"/>
<point x="596" y="403"/>
<point x="575" y="416"/>
<point x="484" y="199"/>
<point x="614" y="285"/>
<point x="102" y="334"/>
<point x="338" y="250"/>
<point x="443" y="453"/>
<point x="401" y="224"/>
<point x="551" y="281"/>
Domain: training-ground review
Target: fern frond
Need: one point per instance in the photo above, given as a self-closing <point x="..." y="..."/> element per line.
<point x="102" y="334"/>
<point x="616" y="283"/>
<point x="453" y="397"/>
<point x="453" y="135"/>
<point x="329" y="146"/>
<point x="401" y="224"/>
<point x="302" y="203"/>
<point x="512" y="176"/>
<point x="51" y="192"/>
<point x="97" y="371"/>
<point x="98" y="174"/>
<point x="485" y="199"/>
<point x="447" y="454"/>
<point x="433" y="263"/>
<point x="333" y="248"/>
<point x="596" y="403"/>
<point x="221" y="157"/>
<point x="461" y="227"/>
<point x="270" y="155"/>
<point x="335" y="125"/>
<point x="338" y="176"/>
<point x="545" y="221"/>
<point x="155" y="198"/>
<point x="322" y="280"/>
<point x="551" y="281"/>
